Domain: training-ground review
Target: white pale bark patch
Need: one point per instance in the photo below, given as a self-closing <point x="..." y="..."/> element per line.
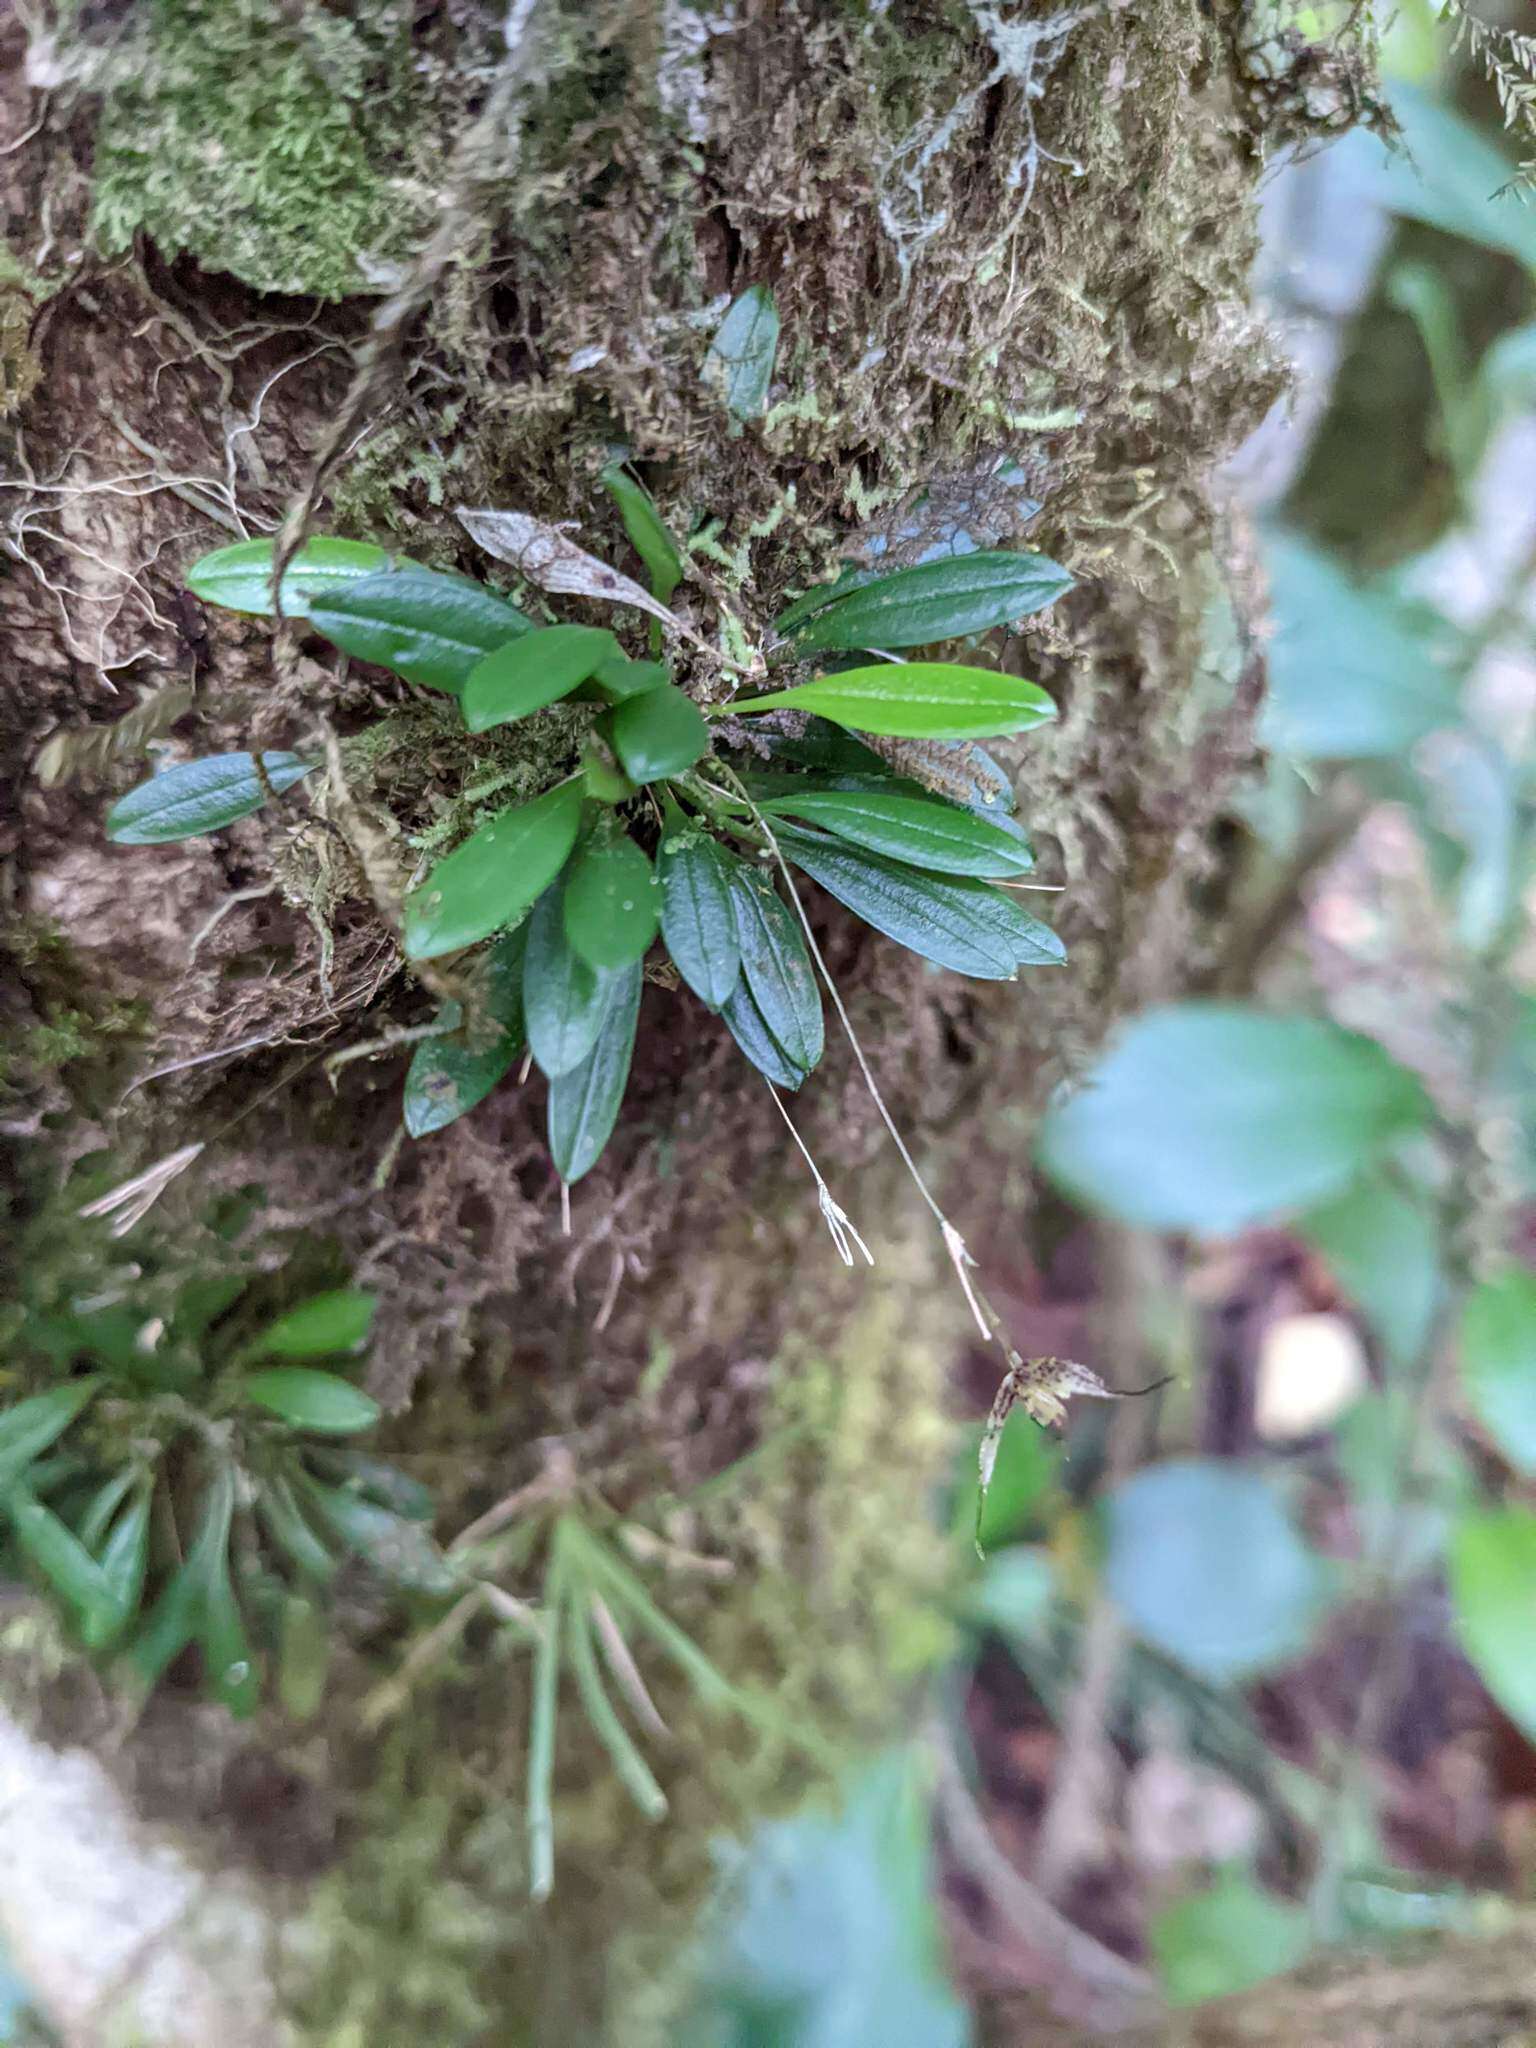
<point x="115" y="1934"/>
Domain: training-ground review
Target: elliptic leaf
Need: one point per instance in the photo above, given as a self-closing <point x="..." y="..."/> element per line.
<point x="698" y="918"/>
<point x="776" y="966"/>
<point x="395" y="1546"/>
<point x="425" y="626"/>
<point x="747" y="1025"/>
<point x="659" y="733"/>
<point x="494" y="875"/>
<point x="953" y="920"/>
<point x="618" y="677"/>
<point x="918" y="830"/>
<point x="240" y="577"/>
<point x="642" y="522"/>
<point x="564" y="999"/>
<point x="584" y="1104"/>
<point x="63" y="1560"/>
<point x="1226" y="1940"/>
<point x="199" y="796"/>
<point x="338" y="1321"/>
<point x="611" y="898"/>
<point x="740" y="361"/>
<point x="1493" y="1595"/>
<point x="312" y="1400"/>
<point x="124" y="1561"/>
<point x="1498" y="1362"/>
<point x="449" y="1075"/>
<point x="941" y="600"/>
<point x="1208" y="1116"/>
<point x="1206" y="1567"/>
<point x="935" y="700"/>
<point x="532" y="671"/>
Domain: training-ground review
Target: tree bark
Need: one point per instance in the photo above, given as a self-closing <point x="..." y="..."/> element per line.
<point x="992" y="236"/>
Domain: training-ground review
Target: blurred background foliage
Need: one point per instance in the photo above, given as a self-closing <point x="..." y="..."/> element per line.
<point x="1248" y="1671"/>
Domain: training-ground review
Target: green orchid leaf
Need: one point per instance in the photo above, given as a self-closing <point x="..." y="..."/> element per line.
<point x="337" y="1321"/>
<point x="660" y="733"/>
<point x="564" y="998"/>
<point x="584" y="1103"/>
<point x="618" y="677"/>
<point x="942" y="600"/>
<point x="59" y="1556"/>
<point x="239" y="578"/>
<point x="494" y="876"/>
<point x="642" y="522"/>
<point x="953" y="920"/>
<point x="31" y="1426"/>
<point x="916" y="700"/>
<point x="229" y="1663"/>
<point x="776" y="966"/>
<point x="425" y="626"/>
<point x="449" y="1075"/>
<point x="124" y="1562"/>
<point x="199" y="796"/>
<point x="290" y="1530"/>
<point x="739" y="365"/>
<point x="698" y="916"/>
<point x="398" y="1548"/>
<point x="377" y="1480"/>
<point x="533" y="671"/>
<point x="921" y="831"/>
<point x="611" y="901"/>
<point x="746" y="1023"/>
<point x="307" y="1399"/>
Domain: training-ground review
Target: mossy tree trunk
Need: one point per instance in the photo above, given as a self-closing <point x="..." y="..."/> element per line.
<point x="1009" y="253"/>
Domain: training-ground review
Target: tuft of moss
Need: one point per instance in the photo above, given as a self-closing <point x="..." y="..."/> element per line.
<point x="295" y="148"/>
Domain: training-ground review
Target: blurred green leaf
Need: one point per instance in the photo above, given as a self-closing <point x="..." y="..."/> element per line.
<point x="1028" y="1467"/>
<point x="1498" y="1362"/>
<point x="536" y="669"/>
<point x="740" y="361"/>
<point x="1349" y="678"/>
<point x="1017" y="1592"/>
<point x="338" y="1321"/>
<point x="1444" y="170"/>
<point x="64" y="1562"/>
<point x="1493" y="1594"/>
<point x="1205" y="1565"/>
<point x="1383" y="1246"/>
<point x="1207" y="1116"/>
<point x="1225" y="1940"/>
<point x="30" y="1427"/>
<point x="307" y="1399"/>
<point x="830" y="1938"/>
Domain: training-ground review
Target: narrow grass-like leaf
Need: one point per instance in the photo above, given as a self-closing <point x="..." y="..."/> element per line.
<point x="293" y="1534"/>
<point x="57" y="1553"/>
<point x="378" y="1480"/>
<point x="741" y="1016"/>
<point x="30" y="1427"/>
<point x="429" y="628"/>
<point x="92" y="1524"/>
<point x="530" y="672"/>
<point x="240" y="577"/>
<point x="611" y="902"/>
<point x="935" y="700"/>
<point x="776" y="966"/>
<point x="920" y="831"/>
<point x="307" y="1399"/>
<point x="124" y="1561"/>
<point x="199" y="796"/>
<point x="657" y="734"/>
<point x="337" y="1321"/>
<point x="168" y="1628"/>
<point x="584" y="1103"/>
<point x="698" y="917"/>
<point x="494" y="875"/>
<point x="642" y="522"/>
<point x="943" y="600"/>
<point x="564" y="999"/>
<point x="542" y="1715"/>
<point x="229" y="1661"/>
<point x="624" y="1590"/>
<point x="610" y="1731"/>
<point x="950" y="919"/>
<point x="740" y="361"/>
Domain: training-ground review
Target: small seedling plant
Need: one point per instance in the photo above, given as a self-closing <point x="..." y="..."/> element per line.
<point x="173" y="1488"/>
<point x="674" y="819"/>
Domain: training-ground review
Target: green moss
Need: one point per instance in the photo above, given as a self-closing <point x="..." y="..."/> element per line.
<point x="293" y="148"/>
